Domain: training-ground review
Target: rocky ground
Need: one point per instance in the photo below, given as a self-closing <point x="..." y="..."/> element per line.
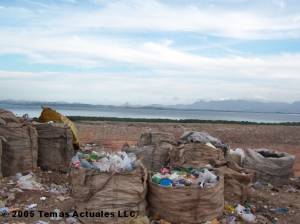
<point x="52" y="193"/>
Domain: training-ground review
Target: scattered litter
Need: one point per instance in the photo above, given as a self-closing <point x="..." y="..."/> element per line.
<point x="245" y="214"/>
<point x="229" y="209"/>
<point x="257" y="185"/>
<point x="181" y="177"/>
<point x="43" y="198"/>
<point x="71" y="220"/>
<point x="280" y="211"/>
<point x="57" y="215"/>
<point x="41" y="222"/>
<point x="31" y="207"/>
<point x="58" y="189"/>
<point x="62" y="198"/>
<point x="4" y="211"/>
<point x="230" y="219"/>
<point x="28" y="182"/>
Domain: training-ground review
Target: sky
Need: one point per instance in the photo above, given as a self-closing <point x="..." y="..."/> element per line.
<point x="149" y="51"/>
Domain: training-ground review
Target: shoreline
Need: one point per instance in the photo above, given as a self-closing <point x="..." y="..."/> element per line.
<point x="183" y="121"/>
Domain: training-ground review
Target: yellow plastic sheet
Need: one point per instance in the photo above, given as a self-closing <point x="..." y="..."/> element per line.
<point x="49" y="114"/>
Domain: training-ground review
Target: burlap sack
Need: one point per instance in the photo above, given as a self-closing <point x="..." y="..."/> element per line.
<point x="55" y="147"/>
<point x="236" y="185"/>
<point x="7" y="117"/>
<point x="271" y="169"/>
<point x="195" y="155"/>
<point x="115" y="193"/>
<point x="154" y="138"/>
<point x="19" y="150"/>
<point x="188" y="205"/>
<point x="153" y="157"/>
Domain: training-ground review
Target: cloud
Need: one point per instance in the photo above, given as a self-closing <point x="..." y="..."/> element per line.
<point x="108" y="36"/>
<point x="120" y="88"/>
<point x="156" y="16"/>
<point x="91" y="52"/>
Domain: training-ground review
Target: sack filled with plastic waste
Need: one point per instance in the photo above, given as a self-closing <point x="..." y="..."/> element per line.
<point x="113" y="183"/>
<point x="19" y="145"/>
<point x="153" y="157"/>
<point x="153" y="138"/>
<point x="55" y="146"/>
<point x="270" y="166"/>
<point x="196" y="155"/>
<point x="186" y="195"/>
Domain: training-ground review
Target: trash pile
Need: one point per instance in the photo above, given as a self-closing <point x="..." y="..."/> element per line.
<point x="182" y="177"/>
<point x="105" y="161"/>
<point x="202" y="137"/>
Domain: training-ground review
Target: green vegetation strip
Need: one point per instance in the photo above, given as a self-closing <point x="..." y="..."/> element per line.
<point x="160" y="120"/>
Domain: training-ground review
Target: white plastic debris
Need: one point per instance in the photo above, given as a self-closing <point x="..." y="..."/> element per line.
<point x="207" y="178"/>
<point x="41" y="222"/>
<point x="105" y="162"/>
<point x="245" y="214"/>
<point x="28" y="182"/>
<point x="31" y="206"/>
<point x="71" y="220"/>
<point x="239" y="152"/>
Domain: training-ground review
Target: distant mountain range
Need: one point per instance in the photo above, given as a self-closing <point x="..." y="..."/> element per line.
<point x="242" y="105"/>
<point x="223" y="105"/>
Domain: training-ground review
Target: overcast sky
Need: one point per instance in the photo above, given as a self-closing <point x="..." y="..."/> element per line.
<point x="149" y="51"/>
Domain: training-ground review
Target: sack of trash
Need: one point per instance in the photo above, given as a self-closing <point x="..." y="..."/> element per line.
<point x="186" y="195"/>
<point x="153" y="138"/>
<point x="113" y="183"/>
<point x="236" y="185"/>
<point x="270" y="166"/>
<point x="19" y="145"/>
<point x="50" y="115"/>
<point x="202" y="137"/>
<point x="7" y="117"/>
<point x="196" y="155"/>
<point x="153" y="157"/>
<point x="55" y="146"/>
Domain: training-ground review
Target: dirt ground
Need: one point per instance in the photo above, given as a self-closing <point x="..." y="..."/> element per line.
<point x="113" y="135"/>
<point x="271" y="205"/>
